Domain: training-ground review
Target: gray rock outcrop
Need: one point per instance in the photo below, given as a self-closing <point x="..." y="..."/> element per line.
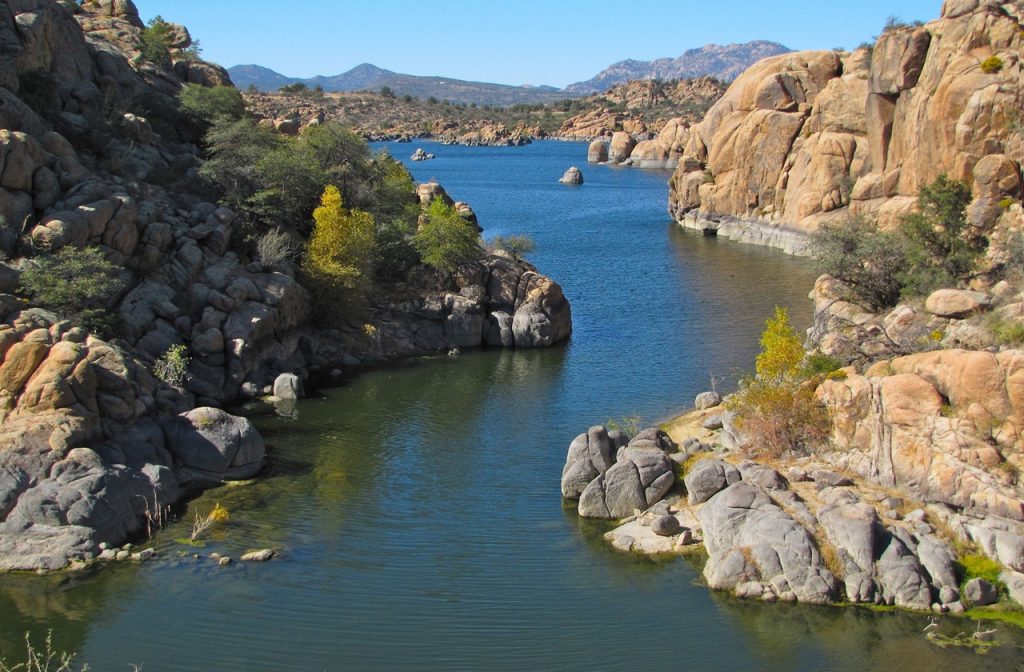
<point x="613" y="479"/>
<point x="707" y="478"/>
<point x="750" y="539"/>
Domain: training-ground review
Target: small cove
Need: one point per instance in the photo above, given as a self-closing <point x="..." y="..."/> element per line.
<point x="417" y="504"/>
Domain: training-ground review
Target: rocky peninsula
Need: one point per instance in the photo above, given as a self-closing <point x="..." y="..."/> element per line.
<point x="915" y="481"/>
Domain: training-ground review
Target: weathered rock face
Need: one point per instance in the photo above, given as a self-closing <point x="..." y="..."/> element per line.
<point x="597" y="152"/>
<point x="935" y="424"/>
<point x="590" y="455"/>
<point x="708" y="478"/>
<point x="750" y="539"/>
<point x="802" y="139"/>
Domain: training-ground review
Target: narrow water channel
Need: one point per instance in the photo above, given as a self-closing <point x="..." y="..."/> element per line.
<point x="417" y="506"/>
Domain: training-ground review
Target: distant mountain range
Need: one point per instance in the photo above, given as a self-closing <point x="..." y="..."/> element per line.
<point x="722" y="62"/>
<point x="367" y="77"/>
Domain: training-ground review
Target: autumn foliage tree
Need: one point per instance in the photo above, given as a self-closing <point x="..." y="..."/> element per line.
<point x="341" y="248"/>
<point x="777" y="409"/>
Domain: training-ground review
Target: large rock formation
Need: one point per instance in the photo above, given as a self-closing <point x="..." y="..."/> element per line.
<point x="943" y="426"/>
<point x="803" y="139"/>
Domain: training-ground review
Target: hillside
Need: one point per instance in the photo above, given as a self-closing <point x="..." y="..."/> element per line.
<point x="642" y="107"/>
<point x="367" y="77"/>
<point x="721" y="62"/>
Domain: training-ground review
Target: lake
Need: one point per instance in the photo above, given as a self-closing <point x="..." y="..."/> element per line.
<point x="417" y="505"/>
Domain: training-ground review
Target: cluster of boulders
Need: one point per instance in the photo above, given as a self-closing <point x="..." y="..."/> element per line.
<point x="490" y="135"/>
<point x="661" y="150"/>
<point x="613" y="476"/>
<point x="813" y="535"/>
<point x="803" y="139"/>
<point x="95" y="447"/>
<point x="420" y="155"/>
<point x="625" y="106"/>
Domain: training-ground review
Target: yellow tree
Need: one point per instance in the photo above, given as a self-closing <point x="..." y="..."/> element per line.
<point x="340" y="250"/>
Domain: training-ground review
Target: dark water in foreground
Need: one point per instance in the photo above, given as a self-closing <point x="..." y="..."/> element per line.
<point x="417" y="506"/>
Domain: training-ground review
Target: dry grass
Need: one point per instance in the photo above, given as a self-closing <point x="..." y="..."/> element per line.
<point x="202" y="524"/>
<point x="45" y="659"/>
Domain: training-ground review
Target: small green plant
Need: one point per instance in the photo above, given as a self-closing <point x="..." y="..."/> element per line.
<point x="629" y="424"/>
<point x="45" y="659"/>
<point x="156" y="42"/>
<point x="212" y="103"/>
<point x="977" y="566"/>
<point x="894" y="23"/>
<point x="819" y="364"/>
<point x="1006" y="332"/>
<point x="709" y="176"/>
<point x="1006" y="203"/>
<point x="514" y="245"/>
<point x="171" y="366"/>
<point x="276" y="247"/>
<point x="992" y="65"/>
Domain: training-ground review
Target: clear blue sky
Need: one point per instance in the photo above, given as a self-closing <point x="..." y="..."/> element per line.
<point x="525" y="42"/>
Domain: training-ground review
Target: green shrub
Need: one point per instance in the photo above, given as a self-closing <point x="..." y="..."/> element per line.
<point x="819" y="364"/>
<point x="1006" y="203"/>
<point x="868" y="260"/>
<point x="992" y="65"/>
<point x="942" y="246"/>
<point x="1006" y="332"/>
<point x="445" y="240"/>
<point x="208" y="104"/>
<point x="156" y="43"/>
<point x="171" y="366"/>
<point x="276" y="247"/>
<point x="517" y="246"/>
<point x="78" y="284"/>
<point x="934" y="247"/>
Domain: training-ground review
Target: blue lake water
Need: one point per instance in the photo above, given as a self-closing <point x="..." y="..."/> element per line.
<point x="417" y="506"/>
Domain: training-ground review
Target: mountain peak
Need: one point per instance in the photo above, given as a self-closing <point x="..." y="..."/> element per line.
<point x="724" y="62"/>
